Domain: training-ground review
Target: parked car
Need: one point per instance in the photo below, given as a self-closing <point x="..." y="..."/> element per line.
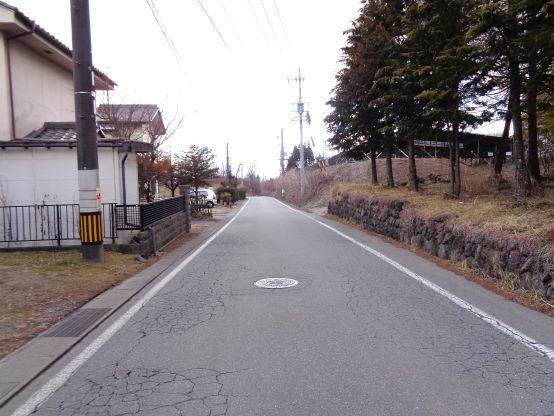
<point x="206" y="197"/>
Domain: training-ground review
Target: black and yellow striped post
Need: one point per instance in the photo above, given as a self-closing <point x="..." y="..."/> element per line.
<point x="90" y="227"/>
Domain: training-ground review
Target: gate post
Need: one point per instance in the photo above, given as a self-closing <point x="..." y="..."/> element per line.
<point x="186" y="191"/>
<point x="58" y="225"/>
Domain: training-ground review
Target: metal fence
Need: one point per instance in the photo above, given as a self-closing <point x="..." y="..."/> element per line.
<point x="27" y="223"/>
<point x="199" y="207"/>
<point x="139" y="217"/>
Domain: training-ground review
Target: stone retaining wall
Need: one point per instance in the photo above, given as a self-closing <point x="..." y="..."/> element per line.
<point x="529" y="264"/>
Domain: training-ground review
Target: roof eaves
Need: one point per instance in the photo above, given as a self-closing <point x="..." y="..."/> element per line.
<point x="47" y="36"/>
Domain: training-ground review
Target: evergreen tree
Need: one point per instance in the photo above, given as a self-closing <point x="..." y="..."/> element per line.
<point x="358" y="126"/>
<point x="294" y="158"/>
<point x="443" y="63"/>
<point x="196" y="166"/>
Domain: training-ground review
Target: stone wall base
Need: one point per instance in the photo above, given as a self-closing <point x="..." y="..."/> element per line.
<point x="528" y="264"/>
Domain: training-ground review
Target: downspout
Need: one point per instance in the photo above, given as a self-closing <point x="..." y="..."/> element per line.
<point x="127" y="148"/>
<point x="10" y="82"/>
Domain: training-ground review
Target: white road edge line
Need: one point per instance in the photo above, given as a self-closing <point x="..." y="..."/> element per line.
<point x="498" y="324"/>
<point x="65" y="373"/>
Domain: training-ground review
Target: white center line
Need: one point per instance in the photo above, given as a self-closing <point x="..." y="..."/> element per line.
<point x="497" y="323"/>
<point x="65" y="373"/>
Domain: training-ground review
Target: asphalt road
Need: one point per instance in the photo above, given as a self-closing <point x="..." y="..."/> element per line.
<point x="356" y="336"/>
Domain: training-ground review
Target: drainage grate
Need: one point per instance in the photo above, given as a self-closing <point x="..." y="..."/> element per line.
<point x="78" y="323"/>
<point x="276" y="283"/>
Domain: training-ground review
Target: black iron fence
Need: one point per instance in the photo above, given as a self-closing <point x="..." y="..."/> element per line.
<point x="27" y="223"/>
<point x="199" y="207"/>
<point x="139" y="217"/>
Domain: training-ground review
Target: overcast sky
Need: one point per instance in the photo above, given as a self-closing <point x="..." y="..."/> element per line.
<point x="232" y="88"/>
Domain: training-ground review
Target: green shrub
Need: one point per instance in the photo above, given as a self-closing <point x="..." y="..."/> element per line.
<point x="241" y="192"/>
<point x="226" y="189"/>
<point x="226" y="197"/>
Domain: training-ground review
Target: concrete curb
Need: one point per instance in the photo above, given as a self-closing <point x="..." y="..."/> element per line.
<point x="23" y="366"/>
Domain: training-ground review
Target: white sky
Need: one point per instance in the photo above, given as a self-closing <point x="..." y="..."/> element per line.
<point x="238" y="95"/>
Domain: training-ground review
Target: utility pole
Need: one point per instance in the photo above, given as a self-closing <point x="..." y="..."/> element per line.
<point x="90" y="197"/>
<point x="228" y="165"/>
<point x="300" y="111"/>
<point x="282" y="154"/>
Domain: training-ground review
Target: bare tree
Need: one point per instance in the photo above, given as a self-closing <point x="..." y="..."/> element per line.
<point x="140" y="122"/>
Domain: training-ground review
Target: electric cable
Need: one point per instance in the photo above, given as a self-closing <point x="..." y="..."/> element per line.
<point x="214" y="25"/>
<point x="270" y="25"/>
<point x="258" y="21"/>
<point x="230" y="21"/>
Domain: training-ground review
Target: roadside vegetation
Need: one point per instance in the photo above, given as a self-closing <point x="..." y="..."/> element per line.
<point x="480" y="205"/>
<point x="414" y="70"/>
<point x="39" y="288"/>
<point x="421" y="70"/>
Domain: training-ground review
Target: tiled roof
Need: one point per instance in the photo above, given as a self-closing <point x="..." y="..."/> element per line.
<point x="60" y="132"/>
<point x="127" y="113"/>
<point x="56" y="134"/>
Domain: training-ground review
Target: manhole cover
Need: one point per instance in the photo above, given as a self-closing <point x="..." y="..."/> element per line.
<point x="276" y="283"/>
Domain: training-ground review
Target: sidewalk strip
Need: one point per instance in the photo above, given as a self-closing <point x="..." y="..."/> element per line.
<point x="498" y="324"/>
<point x="65" y="373"/>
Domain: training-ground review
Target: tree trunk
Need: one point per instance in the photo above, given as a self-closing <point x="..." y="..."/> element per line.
<point x="456" y="183"/>
<point x="500" y="150"/>
<point x="533" y="152"/>
<point x="452" y="159"/>
<point x="413" y="183"/>
<point x="521" y="173"/>
<point x="372" y="155"/>
<point x="390" y="175"/>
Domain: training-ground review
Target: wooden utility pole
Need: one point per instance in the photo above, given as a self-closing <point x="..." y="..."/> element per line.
<point x="90" y="199"/>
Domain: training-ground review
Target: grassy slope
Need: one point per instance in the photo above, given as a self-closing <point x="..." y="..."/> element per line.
<point x="481" y="205"/>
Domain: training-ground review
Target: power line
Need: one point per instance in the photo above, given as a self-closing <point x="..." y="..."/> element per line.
<point x="282" y="24"/>
<point x="270" y="25"/>
<point x="214" y="26"/>
<point x="230" y="21"/>
<point x="258" y="21"/>
<point x="165" y="28"/>
<point x="165" y="32"/>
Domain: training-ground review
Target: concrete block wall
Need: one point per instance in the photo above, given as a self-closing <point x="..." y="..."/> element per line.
<point x="161" y="233"/>
<point x="529" y="263"/>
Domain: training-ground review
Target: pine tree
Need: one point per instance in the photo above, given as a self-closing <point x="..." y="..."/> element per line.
<point x="443" y="63"/>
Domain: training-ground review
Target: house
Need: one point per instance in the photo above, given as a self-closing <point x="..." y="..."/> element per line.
<point x="138" y="122"/>
<point x="38" y="158"/>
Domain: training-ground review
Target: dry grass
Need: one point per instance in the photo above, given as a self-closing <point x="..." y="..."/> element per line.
<point x="41" y="287"/>
<point x="481" y="204"/>
<point x="495" y="210"/>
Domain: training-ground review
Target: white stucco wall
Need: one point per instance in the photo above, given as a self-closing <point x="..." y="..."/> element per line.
<point x="43" y="91"/>
<point x="49" y="176"/>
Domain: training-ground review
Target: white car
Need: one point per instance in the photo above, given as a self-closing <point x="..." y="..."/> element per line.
<point x="206" y="196"/>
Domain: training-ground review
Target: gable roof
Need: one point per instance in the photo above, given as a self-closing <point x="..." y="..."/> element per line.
<point x="127" y="113"/>
<point x="21" y="25"/>
<point x="116" y="116"/>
